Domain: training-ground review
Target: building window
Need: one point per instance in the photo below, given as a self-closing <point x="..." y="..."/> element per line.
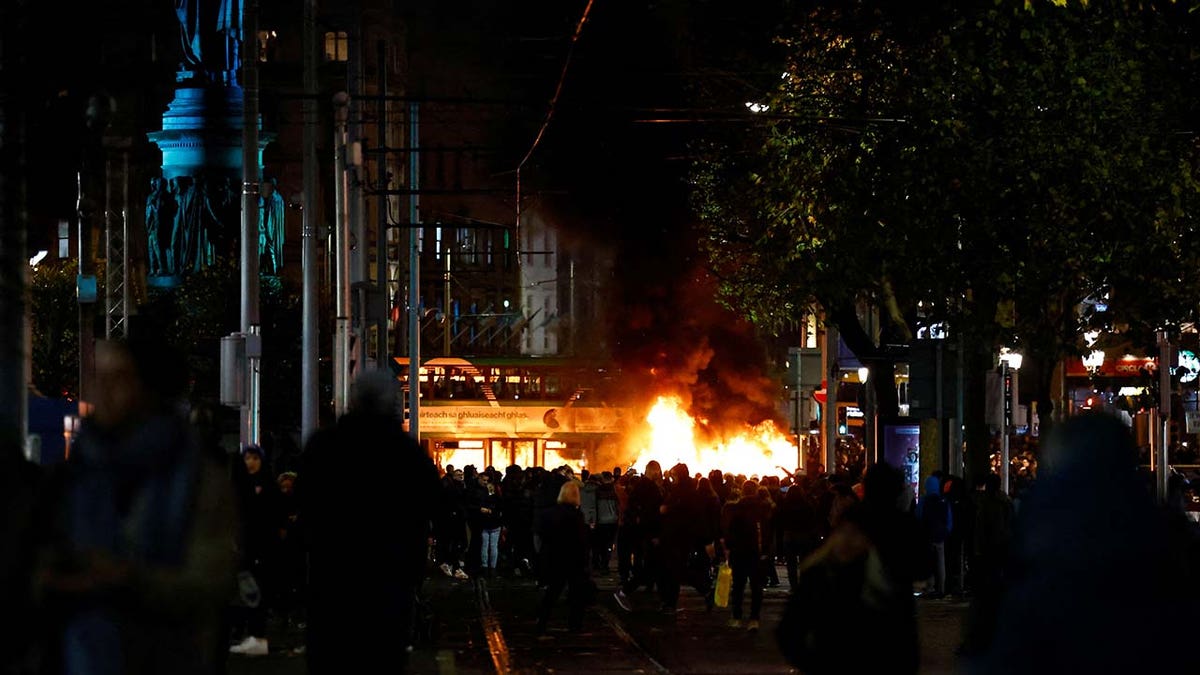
<point x="64" y="239"/>
<point x="546" y="342"/>
<point x="337" y="46"/>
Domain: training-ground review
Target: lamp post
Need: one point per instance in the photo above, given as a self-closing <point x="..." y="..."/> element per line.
<point x="869" y="449"/>
<point x="1009" y="362"/>
<point x="1161" y="469"/>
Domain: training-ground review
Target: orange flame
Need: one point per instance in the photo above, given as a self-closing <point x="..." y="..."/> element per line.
<point x="671" y="436"/>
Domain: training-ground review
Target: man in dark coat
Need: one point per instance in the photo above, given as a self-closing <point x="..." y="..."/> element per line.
<point x="544" y="500"/>
<point x="643" y="519"/>
<point x="367" y="532"/>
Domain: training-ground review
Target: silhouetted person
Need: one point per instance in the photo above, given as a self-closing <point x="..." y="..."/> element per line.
<point x="565" y="550"/>
<point x="261" y="520"/>
<point x="21" y="488"/>
<point x="747" y="533"/>
<point x="853" y="609"/>
<point x="938" y="520"/>
<point x="366" y="493"/>
<point x="140" y="564"/>
<point x="1094" y="581"/>
<point x="992" y="538"/>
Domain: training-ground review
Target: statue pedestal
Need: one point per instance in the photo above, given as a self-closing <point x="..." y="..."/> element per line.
<point x="202" y="132"/>
<point x="201" y="141"/>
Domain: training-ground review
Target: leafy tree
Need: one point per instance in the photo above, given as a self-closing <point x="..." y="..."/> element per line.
<point x="206" y="307"/>
<point x="54" y="315"/>
<point x="991" y="164"/>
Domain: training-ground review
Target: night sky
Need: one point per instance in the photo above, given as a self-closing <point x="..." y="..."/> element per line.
<point x="608" y="171"/>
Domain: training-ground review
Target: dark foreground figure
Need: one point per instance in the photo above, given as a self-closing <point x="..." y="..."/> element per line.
<point x="1101" y="578"/>
<point x="367" y="493"/>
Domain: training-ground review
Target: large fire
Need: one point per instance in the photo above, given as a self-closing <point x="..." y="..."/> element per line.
<point x="671" y="436"/>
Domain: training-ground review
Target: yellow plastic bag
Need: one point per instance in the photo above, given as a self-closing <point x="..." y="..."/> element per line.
<point x="724" y="584"/>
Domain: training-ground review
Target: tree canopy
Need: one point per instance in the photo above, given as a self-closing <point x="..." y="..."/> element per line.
<point x="990" y="164"/>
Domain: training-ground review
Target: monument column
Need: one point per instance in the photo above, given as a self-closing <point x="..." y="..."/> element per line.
<point x="193" y="215"/>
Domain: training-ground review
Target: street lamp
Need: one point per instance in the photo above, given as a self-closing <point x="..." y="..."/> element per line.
<point x="1009" y="362"/>
<point x="1094" y="361"/>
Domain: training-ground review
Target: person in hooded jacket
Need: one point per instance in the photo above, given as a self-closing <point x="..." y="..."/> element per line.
<point x="933" y="511"/>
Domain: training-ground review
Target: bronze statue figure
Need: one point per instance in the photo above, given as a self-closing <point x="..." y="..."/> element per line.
<point x="160" y="214"/>
<point x="272" y="219"/>
<point x="211" y="36"/>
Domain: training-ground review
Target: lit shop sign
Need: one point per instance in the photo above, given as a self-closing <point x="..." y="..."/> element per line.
<point x="521" y="420"/>
<point x="1189" y="366"/>
<point x="1128" y="366"/>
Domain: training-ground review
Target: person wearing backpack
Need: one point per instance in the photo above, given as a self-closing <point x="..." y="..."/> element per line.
<point x="606" y="522"/>
<point x="937" y="520"/>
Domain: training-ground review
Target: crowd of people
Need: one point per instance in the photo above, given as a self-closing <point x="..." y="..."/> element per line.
<point x="671" y="530"/>
<point x="152" y="550"/>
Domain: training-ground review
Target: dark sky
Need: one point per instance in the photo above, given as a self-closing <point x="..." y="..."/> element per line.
<point x="611" y="176"/>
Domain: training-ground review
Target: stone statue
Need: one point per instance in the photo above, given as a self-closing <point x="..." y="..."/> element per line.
<point x="160" y="214"/>
<point x="192" y="250"/>
<point x="223" y="215"/>
<point x="272" y="214"/>
<point x="188" y="13"/>
<point x="210" y="32"/>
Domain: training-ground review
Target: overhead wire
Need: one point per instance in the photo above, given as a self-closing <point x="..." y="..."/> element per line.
<point x="562" y="78"/>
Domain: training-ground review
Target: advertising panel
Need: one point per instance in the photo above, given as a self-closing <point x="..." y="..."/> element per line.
<point x="902" y="449"/>
<point x="519" y="420"/>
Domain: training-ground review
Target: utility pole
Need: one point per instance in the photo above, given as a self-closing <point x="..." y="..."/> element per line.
<point x="116" y="236"/>
<point x="833" y="377"/>
<point x="88" y="180"/>
<point x="869" y="415"/>
<point x="1006" y="384"/>
<point x="448" y="325"/>
<point x="341" y="336"/>
<point x="382" y="233"/>
<point x="251" y="175"/>
<point x="414" y="278"/>
<point x="1162" y="450"/>
<point x="957" y="462"/>
<point x="310" y="318"/>
<point x="573" y="325"/>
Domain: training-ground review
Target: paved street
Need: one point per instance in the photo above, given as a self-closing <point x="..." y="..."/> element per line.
<point x="489" y="628"/>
